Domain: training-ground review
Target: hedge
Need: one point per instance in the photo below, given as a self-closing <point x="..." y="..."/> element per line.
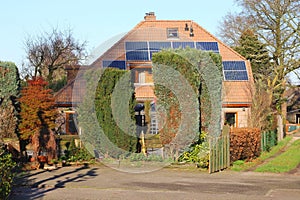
<point x="245" y="144"/>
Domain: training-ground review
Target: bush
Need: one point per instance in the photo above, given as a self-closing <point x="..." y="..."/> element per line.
<point x="137" y="157"/>
<point x="245" y="144"/>
<point x="197" y="153"/>
<point x="6" y="172"/>
<point x="74" y="154"/>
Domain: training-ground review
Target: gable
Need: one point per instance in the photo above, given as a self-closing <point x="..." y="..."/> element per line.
<point x="150" y="36"/>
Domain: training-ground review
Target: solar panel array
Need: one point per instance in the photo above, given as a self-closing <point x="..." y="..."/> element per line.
<point x="143" y="51"/>
<point x="183" y="45"/>
<point x="235" y="71"/>
<point x="120" y="64"/>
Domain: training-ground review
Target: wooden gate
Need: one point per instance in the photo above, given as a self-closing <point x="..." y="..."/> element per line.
<point x="219" y="155"/>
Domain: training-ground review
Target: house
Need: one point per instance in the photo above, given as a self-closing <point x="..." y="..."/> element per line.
<point x="134" y="50"/>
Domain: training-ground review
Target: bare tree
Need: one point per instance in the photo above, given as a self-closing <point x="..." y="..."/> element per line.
<point x="49" y="53"/>
<point x="232" y="26"/>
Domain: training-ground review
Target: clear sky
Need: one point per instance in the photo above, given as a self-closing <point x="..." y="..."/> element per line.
<point x="95" y="21"/>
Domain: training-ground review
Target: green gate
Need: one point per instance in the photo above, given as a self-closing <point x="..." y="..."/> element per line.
<point x="219" y="155"/>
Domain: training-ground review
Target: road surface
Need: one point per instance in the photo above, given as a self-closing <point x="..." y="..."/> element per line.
<point x="100" y="182"/>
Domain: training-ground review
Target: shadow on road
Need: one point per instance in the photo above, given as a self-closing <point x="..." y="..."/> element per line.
<point x="28" y="187"/>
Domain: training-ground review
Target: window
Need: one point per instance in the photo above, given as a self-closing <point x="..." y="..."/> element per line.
<point x="172" y="33"/>
<point x="142" y="77"/>
<point x="70" y="124"/>
<point x="297" y="118"/>
<point x="230" y="118"/>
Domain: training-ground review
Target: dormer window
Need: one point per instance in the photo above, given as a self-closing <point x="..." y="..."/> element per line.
<point x="172" y="33"/>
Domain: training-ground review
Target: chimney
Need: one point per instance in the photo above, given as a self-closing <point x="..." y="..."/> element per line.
<point x="150" y="16"/>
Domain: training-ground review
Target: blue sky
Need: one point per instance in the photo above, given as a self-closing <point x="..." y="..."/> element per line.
<point x="95" y="21"/>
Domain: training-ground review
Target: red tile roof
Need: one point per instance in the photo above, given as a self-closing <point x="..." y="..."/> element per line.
<point x="155" y="30"/>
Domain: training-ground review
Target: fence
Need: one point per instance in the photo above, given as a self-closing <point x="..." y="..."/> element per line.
<point x="292" y="128"/>
<point x="219" y="155"/>
<point x="268" y="140"/>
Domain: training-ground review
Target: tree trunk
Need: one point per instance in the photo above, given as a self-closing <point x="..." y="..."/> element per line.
<point x="280" y="132"/>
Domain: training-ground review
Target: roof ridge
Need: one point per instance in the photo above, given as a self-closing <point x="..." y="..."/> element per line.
<point x="219" y="41"/>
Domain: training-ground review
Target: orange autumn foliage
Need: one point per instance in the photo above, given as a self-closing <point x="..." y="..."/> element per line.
<point x="37" y="114"/>
<point x="244" y="144"/>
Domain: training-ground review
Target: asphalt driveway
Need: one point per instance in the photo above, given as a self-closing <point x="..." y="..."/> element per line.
<point x="100" y="182"/>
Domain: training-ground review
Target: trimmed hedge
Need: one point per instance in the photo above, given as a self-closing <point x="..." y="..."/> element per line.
<point x="245" y="144"/>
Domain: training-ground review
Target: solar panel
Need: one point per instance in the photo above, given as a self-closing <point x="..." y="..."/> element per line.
<point x="131" y="46"/>
<point x="183" y="45"/>
<point x="235" y="71"/>
<point x="236" y="75"/>
<point x="137" y="55"/>
<point x="234" y="65"/>
<point x="159" y="45"/>
<point x="208" y="46"/>
<point x="120" y="64"/>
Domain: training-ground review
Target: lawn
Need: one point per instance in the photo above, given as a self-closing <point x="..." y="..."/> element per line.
<point x="285" y="162"/>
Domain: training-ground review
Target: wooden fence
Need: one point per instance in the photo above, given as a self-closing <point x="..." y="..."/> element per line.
<point x="219" y="155"/>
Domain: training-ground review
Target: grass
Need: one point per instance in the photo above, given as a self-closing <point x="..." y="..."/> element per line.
<point x="244" y="166"/>
<point x="285" y="162"/>
<point x="275" y="149"/>
<point x="241" y="165"/>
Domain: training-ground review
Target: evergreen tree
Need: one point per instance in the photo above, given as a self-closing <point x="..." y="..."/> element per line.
<point x="185" y="73"/>
<point x="9" y="92"/>
<point x="254" y="51"/>
<point x="119" y="130"/>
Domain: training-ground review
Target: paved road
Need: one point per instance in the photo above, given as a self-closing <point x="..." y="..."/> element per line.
<point x="104" y="183"/>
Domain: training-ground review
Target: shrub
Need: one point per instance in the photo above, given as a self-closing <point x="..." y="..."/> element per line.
<point x="137" y="157"/>
<point x="245" y="144"/>
<point x="6" y="172"/>
<point x="74" y="154"/>
<point x="122" y="136"/>
<point x="199" y="153"/>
